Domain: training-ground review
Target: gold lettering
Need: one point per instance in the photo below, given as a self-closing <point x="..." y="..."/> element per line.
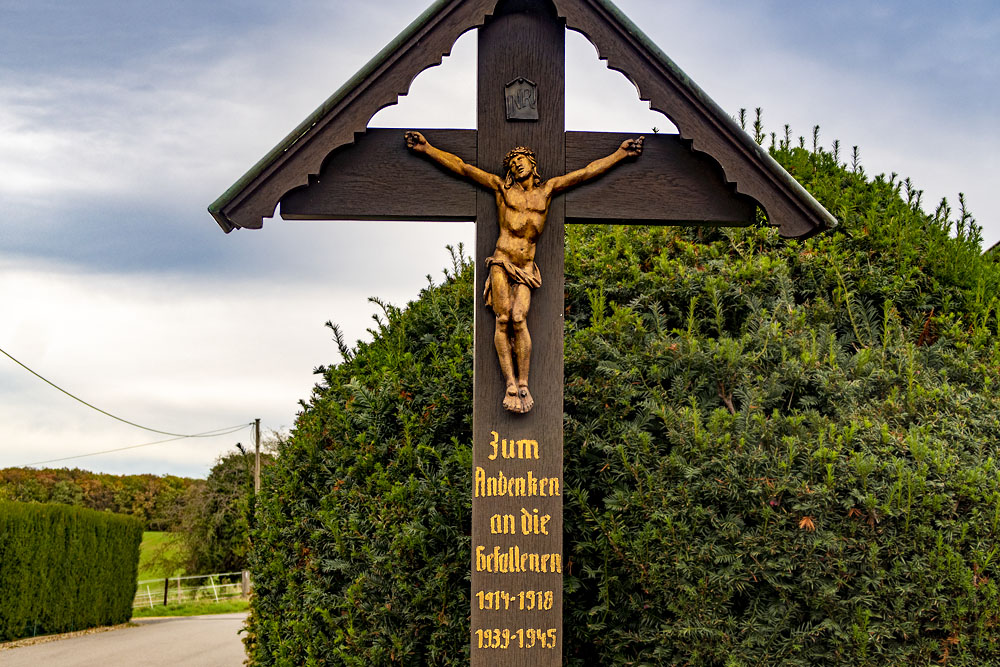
<point x="512" y="449"/>
<point x="502" y="524"/>
<point x="496" y="438"/>
<point x="481" y="561"/>
<point x="489" y="486"/>
<point x="513" y="561"/>
<point x="527" y="449"/>
<point x="534" y="523"/>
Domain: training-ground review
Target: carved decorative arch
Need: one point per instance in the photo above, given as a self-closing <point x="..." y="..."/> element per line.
<point x="430" y="37"/>
<point x="379" y="84"/>
<point x="697" y="117"/>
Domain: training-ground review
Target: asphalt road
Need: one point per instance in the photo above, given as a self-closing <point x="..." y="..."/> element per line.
<point x="188" y="641"/>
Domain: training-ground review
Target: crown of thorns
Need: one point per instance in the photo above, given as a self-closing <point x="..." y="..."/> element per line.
<point x="520" y="150"/>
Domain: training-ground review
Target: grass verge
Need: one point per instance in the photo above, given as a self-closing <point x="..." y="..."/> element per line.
<point x="192" y="608"/>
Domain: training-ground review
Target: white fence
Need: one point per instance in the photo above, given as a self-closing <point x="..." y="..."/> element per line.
<point x="152" y="592"/>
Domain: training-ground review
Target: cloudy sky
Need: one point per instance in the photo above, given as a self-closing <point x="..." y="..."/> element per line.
<point x="120" y="121"/>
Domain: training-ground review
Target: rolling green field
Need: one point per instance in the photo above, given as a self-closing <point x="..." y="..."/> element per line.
<point x="160" y="555"/>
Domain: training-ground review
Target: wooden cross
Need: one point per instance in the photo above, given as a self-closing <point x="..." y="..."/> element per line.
<point x="332" y="167"/>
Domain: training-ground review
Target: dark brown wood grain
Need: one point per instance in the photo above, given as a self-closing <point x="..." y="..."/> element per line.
<point x="522" y="41"/>
<point x="668" y="184"/>
<point x="377" y="178"/>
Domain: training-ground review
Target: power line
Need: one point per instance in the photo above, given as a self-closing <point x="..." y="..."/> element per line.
<point x="104" y="412"/>
<point x="206" y="434"/>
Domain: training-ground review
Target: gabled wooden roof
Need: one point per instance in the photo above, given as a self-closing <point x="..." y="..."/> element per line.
<point x="699" y="120"/>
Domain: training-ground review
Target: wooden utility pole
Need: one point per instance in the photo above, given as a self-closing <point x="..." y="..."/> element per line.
<point x="256" y="465"/>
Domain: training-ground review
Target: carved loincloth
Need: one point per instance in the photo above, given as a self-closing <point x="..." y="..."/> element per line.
<point x="515" y="274"/>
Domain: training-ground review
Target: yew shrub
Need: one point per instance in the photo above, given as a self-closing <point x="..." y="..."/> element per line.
<point x="777" y="453"/>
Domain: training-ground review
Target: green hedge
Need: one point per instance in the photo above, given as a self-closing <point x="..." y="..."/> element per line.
<point x="777" y="453"/>
<point x="65" y="568"/>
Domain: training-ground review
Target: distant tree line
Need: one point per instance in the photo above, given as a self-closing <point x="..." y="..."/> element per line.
<point x="153" y="499"/>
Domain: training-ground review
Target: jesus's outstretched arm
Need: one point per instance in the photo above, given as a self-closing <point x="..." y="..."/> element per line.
<point x="629" y="148"/>
<point x="418" y="144"/>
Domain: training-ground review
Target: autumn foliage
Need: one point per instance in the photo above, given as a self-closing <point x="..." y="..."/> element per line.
<point x="153" y="499"/>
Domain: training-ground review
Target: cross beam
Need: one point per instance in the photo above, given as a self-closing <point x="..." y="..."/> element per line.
<point x="670" y="185"/>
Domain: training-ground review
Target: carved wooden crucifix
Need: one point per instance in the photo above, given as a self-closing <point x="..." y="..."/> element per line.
<point x="523" y="199"/>
<point x="332" y="167"/>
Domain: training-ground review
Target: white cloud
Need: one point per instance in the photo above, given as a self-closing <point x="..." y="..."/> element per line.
<point x="167" y="351"/>
<point x="196" y="114"/>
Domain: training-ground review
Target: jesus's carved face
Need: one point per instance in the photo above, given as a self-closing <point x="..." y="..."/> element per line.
<point x="521" y="166"/>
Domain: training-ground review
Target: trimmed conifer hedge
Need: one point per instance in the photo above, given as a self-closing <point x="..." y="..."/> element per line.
<point x="65" y="568"/>
<point x="777" y="453"/>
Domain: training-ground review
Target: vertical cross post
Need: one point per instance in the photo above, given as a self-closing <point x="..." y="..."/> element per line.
<point x="517" y="558"/>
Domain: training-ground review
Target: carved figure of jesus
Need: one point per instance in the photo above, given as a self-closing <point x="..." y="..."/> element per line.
<point x="523" y="200"/>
